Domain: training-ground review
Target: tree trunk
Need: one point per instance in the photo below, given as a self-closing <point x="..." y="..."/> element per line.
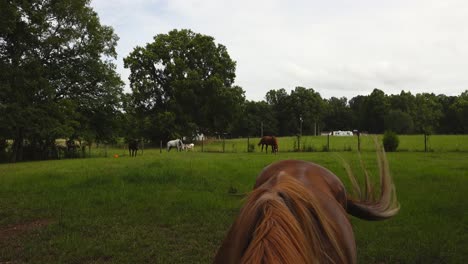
<point x="17" y="153"/>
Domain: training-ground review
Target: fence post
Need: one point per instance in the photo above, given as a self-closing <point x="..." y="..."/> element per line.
<point x="425" y="142"/>
<point x="202" y="144"/>
<point x="359" y="142"/>
<point x="328" y="142"/>
<point x="224" y="144"/>
<point x="160" y="146"/>
<point x="248" y="145"/>
<point x="299" y="143"/>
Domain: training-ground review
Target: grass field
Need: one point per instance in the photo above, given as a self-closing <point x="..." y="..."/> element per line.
<point x="413" y="143"/>
<point x="408" y="143"/>
<point x="176" y="207"/>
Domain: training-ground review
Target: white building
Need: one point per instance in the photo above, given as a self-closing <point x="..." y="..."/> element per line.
<point x="341" y="133"/>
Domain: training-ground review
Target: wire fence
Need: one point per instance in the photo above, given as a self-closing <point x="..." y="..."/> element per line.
<point x="407" y="143"/>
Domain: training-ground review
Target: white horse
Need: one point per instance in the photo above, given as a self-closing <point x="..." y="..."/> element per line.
<point x="189" y="146"/>
<point x="176" y="143"/>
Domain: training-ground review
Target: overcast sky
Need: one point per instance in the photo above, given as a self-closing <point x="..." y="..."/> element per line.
<point x="338" y="47"/>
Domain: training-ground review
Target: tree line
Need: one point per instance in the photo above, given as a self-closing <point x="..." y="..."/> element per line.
<point x="423" y="113"/>
<point x="58" y="81"/>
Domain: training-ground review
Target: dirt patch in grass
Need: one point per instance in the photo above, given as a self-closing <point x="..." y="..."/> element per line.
<point x="13" y="231"/>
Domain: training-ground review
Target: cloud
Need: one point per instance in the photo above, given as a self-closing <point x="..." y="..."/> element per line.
<point x="339" y="48"/>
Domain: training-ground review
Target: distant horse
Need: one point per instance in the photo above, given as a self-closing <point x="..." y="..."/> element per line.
<point x="269" y="141"/>
<point x="189" y="146"/>
<point x="176" y="143"/>
<point x="297" y="213"/>
<point x="133" y="145"/>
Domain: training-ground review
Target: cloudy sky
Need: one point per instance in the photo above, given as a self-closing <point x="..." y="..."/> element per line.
<point x="338" y="47"/>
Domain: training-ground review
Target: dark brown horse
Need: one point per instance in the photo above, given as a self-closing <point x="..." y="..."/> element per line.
<point x="133" y="145"/>
<point x="269" y="141"/>
<point x="297" y="213"/>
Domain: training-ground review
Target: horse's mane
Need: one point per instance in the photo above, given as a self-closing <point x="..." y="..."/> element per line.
<point x="287" y="225"/>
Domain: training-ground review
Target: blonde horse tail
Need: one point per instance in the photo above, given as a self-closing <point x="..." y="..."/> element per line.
<point x="387" y="205"/>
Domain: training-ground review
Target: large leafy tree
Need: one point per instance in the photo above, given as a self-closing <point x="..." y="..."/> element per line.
<point x="257" y="117"/>
<point x="337" y="114"/>
<point x="187" y="76"/>
<point x="449" y="122"/>
<point x="283" y="111"/>
<point x="377" y="107"/>
<point x="357" y="105"/>
<point x="427" y="114"/>
<point x="399" y="122"/>
<point x="308" y="105"/>
<point x="460" y="108"/>
<point x="55" y="72"/>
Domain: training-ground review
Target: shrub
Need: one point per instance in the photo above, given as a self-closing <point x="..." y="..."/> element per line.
<point x="390" y="141"/>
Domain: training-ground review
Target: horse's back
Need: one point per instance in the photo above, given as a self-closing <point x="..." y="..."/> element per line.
<point x="320" y="188"/>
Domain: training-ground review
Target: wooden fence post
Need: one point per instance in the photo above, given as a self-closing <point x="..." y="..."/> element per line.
<point x="425" y="142"/>
<point x="359" y="142"/>
<point x="224" y="144"/>
<point x="299" y="143"/>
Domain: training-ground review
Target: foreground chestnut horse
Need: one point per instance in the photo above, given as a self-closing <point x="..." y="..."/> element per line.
<point x="297" y="213"/>
<point x="269" y="141"/>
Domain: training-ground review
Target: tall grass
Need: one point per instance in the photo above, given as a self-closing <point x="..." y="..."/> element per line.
<point x="176" y="207"/>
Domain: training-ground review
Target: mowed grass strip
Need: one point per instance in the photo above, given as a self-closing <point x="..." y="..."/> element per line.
<point x="176" y="207"/>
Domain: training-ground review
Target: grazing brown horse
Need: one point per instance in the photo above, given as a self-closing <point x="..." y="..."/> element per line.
<point x="269" y="141"/>
<point x="297" y="213"/>
<point x="133" y="147"/>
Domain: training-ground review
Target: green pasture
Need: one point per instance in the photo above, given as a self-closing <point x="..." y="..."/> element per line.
<point x="452" y="143"/>
<point x="408" y="143"/>
<point x="176" y="207"/>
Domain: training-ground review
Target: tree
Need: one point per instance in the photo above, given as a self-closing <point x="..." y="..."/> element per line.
<point x="427" y="114"/>
<point x="280" y="103"/>
<point x="255" y="117"/>
<point x="460" y="108"/>
<point x="307" y="104"/>
<point x="399" y="122"/>
<point x="377" y="107"/>
<point x="449" y="122"/>
<point x="358" y="108"/>
<point x="54" y="60"/>
<point x="337" y="114"/>
<point x="405" y="102"/>
<point x="188" y="75"/>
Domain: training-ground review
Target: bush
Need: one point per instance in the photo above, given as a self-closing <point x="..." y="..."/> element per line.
<point x="390" y="141"/>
